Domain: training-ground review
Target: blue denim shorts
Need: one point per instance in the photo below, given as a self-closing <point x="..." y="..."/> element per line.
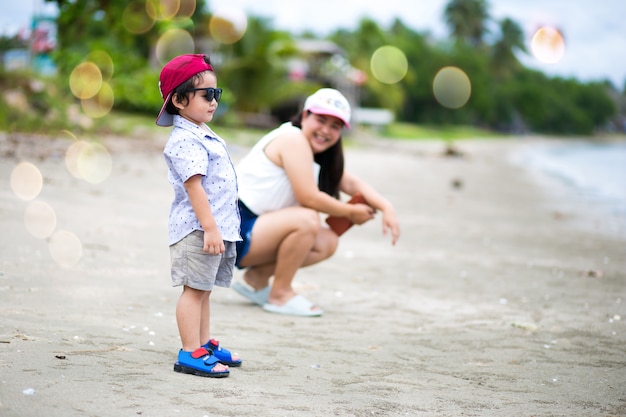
<point x="248" y="218"/>
<point x="193" y="267"/>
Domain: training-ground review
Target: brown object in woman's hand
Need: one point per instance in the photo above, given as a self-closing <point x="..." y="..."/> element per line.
<point x="340" y="225"/>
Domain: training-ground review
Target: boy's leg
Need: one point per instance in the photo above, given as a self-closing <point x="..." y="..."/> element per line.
<point x="205" y="320"/>
<point x="188" y="317"/>
<point x="205" y="327"/>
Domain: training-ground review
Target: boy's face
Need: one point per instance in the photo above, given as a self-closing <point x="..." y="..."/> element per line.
<point x="198" y="110"/>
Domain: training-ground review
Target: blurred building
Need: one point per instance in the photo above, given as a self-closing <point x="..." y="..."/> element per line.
<point x="324" y="63"/>
<point x="37" y="42"/>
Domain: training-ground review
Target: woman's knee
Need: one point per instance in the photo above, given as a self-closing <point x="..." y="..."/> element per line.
<point x="325" y="246"/>
<point x="330" y="242"/>
<point x="309" y="220"/>
<point x="333" y="246"/>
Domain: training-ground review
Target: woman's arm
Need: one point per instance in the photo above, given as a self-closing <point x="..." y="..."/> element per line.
<point x="351" y="184"/>
<point x="293" y="153"/>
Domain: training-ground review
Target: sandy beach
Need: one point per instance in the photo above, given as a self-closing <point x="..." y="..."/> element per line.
<point x="503" y="297"/>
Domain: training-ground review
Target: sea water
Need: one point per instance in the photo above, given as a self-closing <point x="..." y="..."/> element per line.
<point x="594" y="173"/>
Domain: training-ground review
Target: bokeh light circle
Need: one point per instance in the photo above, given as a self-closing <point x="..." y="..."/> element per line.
<point x="94" y="163"/>
<point x="26" y="181"/>
<point x="172" y="43"/>
<point x="89" y="161"/>
<point x="228" y="25"/>
<point x="40" y="219"/>
<point x="65" y="248"/>
<point x="138" y="17"/>
<point x="167" y="9"/>
<point x="101" y="104"/>
<point x="72" y="155"/>
<point x="85" y="80"/>
<point x="452" y="87"/>
<point x="389" y="64"/>
<point x="548" y="45"/>
<point x="186" y="8"/>
<point x="104" y="62"/>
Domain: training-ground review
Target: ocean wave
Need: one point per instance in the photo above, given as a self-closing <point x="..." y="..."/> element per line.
<point x="595" y="169"/>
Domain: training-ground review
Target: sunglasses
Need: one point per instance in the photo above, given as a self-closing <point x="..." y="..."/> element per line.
<point x="211" y="93"/>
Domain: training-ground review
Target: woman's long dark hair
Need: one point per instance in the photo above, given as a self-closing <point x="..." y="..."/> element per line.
<point x="330" y="161"/>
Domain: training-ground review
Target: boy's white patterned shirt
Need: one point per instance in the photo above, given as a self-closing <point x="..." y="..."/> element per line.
<point x="191" y="150"/>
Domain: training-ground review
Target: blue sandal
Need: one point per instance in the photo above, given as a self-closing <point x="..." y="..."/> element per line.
<point x="200" y="362"/>
<point x="223" y="355"/>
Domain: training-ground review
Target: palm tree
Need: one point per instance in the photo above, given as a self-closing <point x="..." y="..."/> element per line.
<point x="511" y="39"/>
<point x="360" y="45"/>
<point x="467" y="20"/>
<point x="254" y="67"/>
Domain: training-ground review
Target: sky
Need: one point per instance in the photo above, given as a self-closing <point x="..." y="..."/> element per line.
<point x="594" y="30"/>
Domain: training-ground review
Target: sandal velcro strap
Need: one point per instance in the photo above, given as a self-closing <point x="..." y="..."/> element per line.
<point x="214" y="343"/>
<point x="200" y="352"/>
<point x="224" y="355"/>
<point x="200" y="362"/>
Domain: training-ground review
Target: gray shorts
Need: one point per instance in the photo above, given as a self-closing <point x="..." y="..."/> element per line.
<point x="197" y="269"/>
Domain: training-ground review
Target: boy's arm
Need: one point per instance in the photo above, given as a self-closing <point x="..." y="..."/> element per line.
<point x="213" y="242"/>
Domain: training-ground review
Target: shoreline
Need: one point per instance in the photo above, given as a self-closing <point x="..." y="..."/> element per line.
<point x="596" y="208"/>
<point x="490" y="304"/>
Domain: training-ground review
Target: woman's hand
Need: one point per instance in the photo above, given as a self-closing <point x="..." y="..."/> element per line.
<point x="390" y="224"/>
<point x="351" y="184"/>
<point x="360" y="213"/>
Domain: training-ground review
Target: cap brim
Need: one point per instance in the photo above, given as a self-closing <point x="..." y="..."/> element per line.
<point x="326" y="112"/>
<point x="164" y="118"/>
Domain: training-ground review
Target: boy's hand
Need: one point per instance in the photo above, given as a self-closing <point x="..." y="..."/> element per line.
<point x="213" y="243"/>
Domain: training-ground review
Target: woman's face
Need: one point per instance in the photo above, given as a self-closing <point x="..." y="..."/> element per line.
<point x="321" y="131"/>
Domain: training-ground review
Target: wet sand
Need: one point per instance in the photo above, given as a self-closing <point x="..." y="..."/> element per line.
<point x="495" y="301"/>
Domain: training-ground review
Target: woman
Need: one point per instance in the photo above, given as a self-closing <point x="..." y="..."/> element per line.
<point x="290" y="176"/>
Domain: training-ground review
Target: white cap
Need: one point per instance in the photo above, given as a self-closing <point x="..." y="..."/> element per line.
<point x="329" y="102"/>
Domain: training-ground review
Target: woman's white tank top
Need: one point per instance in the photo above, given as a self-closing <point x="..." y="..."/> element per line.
<point x="263" y="185"/>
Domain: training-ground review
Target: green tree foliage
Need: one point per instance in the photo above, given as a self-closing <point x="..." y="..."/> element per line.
<point x="423" y="63"/>
<point x="467" y="20"/>
<point x="361" y="44"/>
<point x="99" y="25"/>
<point x="10" y="42"/>
<point x="88" y="25"/>
<point x="504" y="62"/>
<point x="505" y="95"/>
<point x="556" y="105"/>
<point x="28" y="103"/>
<point x="254" y="70"/>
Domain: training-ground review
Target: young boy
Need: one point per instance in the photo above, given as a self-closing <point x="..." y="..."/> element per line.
<point x="204" y="216"/>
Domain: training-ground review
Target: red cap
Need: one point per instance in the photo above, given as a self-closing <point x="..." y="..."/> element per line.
<point x="173" y="74"/>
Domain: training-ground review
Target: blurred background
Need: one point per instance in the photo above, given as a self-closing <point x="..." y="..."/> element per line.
<point x="483" y="66"/>
<point x="76" y="74"/>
